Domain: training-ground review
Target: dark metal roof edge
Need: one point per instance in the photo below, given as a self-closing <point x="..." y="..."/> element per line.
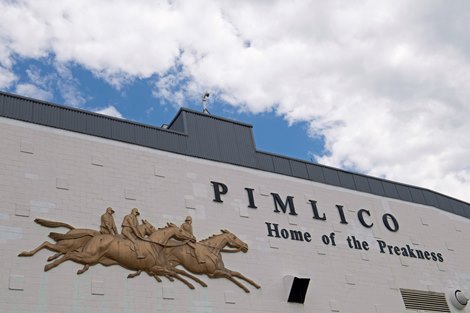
<point x="64" y="107"/>
<point x="357" y="174"/>
<point x="214" y="117"/>
<point x="175" y="118"/>
<point x="423" y="190"/>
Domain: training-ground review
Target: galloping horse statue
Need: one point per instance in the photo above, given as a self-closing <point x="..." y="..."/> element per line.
<point x="161" y="257"/>
<point x="109" y="250"/>
<point x="74" y="239"/>
<point x="210" y="252"/>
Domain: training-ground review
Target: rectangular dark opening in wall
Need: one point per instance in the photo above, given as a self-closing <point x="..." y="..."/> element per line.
<point x="298" y="290"/>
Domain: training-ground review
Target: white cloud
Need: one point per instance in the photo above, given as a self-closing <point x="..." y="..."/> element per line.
<point x="386" y="83"/>
<point x="7" y="77"/>
<point x="48" y="80"/>
<point x="149" y="111"/>
<point x="33" y="91"/>
<point x="68" y="85"/>
<point x="110" y="111"/>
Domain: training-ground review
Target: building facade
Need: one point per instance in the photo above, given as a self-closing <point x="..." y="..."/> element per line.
<point x="308" y="238"/>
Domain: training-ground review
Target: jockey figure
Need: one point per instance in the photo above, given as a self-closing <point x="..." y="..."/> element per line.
<point x="107" y="223"/>
<point x="186" y="226"/>
<point x="131" y="232"/>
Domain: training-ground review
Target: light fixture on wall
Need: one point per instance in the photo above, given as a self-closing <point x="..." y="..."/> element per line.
<point x="458" y="299"/>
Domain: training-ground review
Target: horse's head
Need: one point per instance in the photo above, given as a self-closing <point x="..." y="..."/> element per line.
<point x="181" y="234"/>
<point x="148" y="228"/>
<point x="234" y="242"/>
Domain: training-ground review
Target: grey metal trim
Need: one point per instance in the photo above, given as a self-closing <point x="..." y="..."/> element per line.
<point x="209" y="116"/>
<point x="218" y="139"/>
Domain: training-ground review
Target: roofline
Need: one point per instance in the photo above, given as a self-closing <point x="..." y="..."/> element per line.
<point x="359" y="174"/>
<point x="70" y="108"/>
<point x="182" y="109"/>
<point x="138" y="134"/>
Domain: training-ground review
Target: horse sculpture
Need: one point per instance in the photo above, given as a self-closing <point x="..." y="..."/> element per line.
<point x="73" y="240"/>
<point x="161" y="257"/>
<point x="210" y="252"/>
<point x="109" y="250"/>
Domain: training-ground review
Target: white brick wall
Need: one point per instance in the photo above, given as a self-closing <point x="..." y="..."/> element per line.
<point x="63" y="176"/>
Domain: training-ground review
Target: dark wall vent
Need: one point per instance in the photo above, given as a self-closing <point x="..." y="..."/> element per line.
<point x="424" y="300"/>
<point x="299" y="290"/>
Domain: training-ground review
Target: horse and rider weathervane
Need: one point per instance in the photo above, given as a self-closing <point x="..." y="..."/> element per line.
<point x="144" y="248"/>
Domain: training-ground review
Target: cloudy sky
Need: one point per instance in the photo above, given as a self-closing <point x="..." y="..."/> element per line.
<point x="377" y="87"/>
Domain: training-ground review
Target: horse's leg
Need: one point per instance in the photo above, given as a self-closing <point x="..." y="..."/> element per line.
<point x="170" y="278"/>
<point x="57" y="262"/>
<point x="241" y="276"/>
<point x="223" y="274"/>
<point x="162" y="271"/>
<point x="45" y="245"/>
<point x="152" y="274"/>
<point x="134" y="274"/>
<point x="84" y="269"/>
<point x="64" y="247"/>
<point x="53" y="257"/>
<point x="78" y="257"/>
<point x="181" y="272"/>
<point x="184" y="281"/>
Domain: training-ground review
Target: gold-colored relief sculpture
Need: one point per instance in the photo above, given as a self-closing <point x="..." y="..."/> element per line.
<point x="130" y="230"/>
<point x="187" y="226"/>
<point x="143" y="248"/>
<point x="108" y="226"/>
<point x="210" y="250"/>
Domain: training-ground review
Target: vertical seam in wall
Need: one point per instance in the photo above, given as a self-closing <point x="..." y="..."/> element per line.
<point x="290" y="168"/>
<point x="354" y="182"/>
<point x="185" y="126"/>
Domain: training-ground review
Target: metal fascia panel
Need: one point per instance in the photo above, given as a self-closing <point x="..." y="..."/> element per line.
<point x="404" y="192"/>
<point x="281" y="165"/>
<point x="264" y="162"/>
<point x="361" y="183"/>
<point x="299" y="169"/>
<point x="331" y="176"/>
<point x="390" y="190"/>
<point x="347" y="180"/>
<point x="315" y="173"/>
<point x="376" y="186"/>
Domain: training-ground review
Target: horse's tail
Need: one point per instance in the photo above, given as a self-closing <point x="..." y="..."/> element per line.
<point x="59" y="237"/>
<point x="52" y="224"/>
